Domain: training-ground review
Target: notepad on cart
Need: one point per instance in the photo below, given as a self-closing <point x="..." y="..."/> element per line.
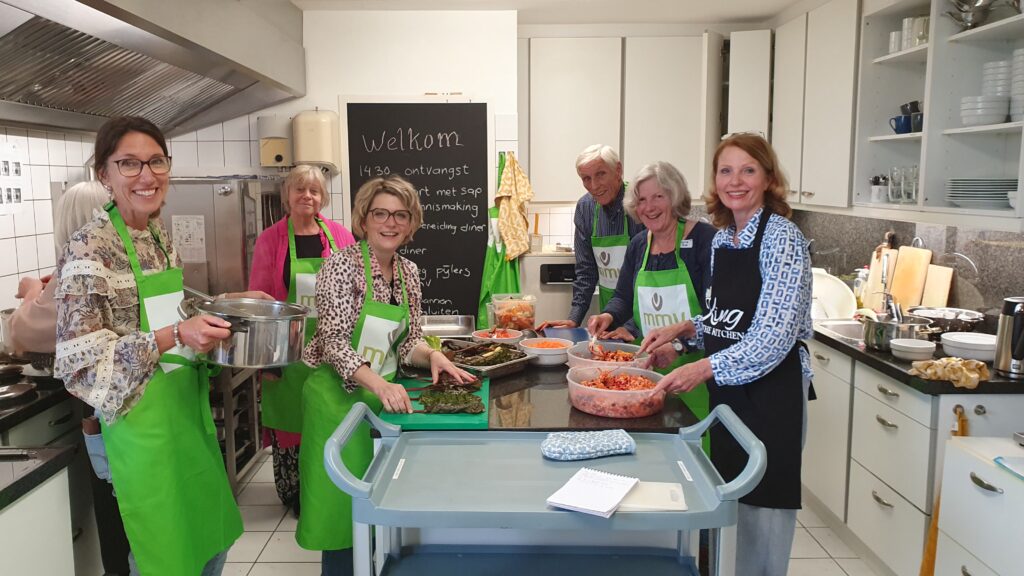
<point x="592" y="492"/>
<point x="654" y="497"/>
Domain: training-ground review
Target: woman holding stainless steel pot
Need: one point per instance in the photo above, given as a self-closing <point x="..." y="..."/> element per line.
<point x="123" y="350"/>
<point x="284" y="264"/>
<point x="368" y="301"/>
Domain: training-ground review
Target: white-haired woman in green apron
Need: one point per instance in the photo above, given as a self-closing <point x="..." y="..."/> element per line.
<point x="368" y="300"/>
<point x="665" y="272"/>
<point x="122" y="348"/>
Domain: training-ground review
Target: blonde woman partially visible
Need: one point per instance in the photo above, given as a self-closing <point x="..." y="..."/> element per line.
<point x="34" y="323"/>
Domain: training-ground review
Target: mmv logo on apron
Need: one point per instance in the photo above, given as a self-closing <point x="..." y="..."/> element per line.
<point x="661" y="306"/>
<point x="378" y="337"/>
<point x="305" y="292"/>
<point x="162" y="311"/>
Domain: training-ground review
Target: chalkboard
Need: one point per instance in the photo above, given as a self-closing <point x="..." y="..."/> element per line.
<point x="441" y="148"/>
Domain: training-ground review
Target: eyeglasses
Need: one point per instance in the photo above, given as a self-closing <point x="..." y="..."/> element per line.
<point x="381" y="215"/>
<point x="133" y="166"/>
<point x="747" y="133"/>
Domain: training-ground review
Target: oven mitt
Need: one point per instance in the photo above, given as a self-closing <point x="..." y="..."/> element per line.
<point x="586" y="445"/>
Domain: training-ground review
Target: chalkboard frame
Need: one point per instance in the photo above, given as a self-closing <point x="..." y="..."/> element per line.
<point x="346" y="166"/>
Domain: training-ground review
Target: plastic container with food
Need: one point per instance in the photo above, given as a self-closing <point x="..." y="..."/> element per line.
<point x="546" y="351"/>
<point x="581" y="355"/>
<point x="514" y="311"/>
<point x="618" y="393"/>
<point x="500" y="335"/>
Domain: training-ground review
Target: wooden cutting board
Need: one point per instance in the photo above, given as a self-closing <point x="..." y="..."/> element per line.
<point x="910" y="274"/>
<point x="936" y="286"/>
<point x="872" y="295"/>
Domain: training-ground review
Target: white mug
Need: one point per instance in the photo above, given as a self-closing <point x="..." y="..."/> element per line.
<point x="895" y="41"/>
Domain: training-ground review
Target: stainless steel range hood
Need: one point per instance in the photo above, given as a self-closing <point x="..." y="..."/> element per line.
<point x="184" y="64"/>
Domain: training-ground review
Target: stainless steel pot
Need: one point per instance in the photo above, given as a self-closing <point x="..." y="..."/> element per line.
<point x="948" y="319"/>
<point x="264" y="333"/>
<point x="878" y="333"/>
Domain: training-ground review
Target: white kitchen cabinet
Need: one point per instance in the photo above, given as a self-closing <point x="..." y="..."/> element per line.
<point x="44" y="427"/>
<point x="951" y="559"/>
<point x="662" y="105"/>
<point x="575" y="101"/>
<point x="788" y="99"/>
<point x="981" y="507"/>
<point x="829" y="103"/>
<point x="826" y="455"/>
<point x="36" y="531"/>
<point x="750" y="64"/>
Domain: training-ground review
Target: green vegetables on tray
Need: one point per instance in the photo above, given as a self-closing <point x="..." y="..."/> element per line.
<point x="488" y="354"/>
<point x="438" y="402"/>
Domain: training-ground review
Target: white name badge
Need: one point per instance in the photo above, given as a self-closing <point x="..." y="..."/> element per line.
<point x="305" y="292"/>
<point x="687" y="243"/>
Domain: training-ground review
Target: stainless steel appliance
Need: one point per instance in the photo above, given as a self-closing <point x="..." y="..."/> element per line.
<point x="549" y="277"/>
<point x="1010" y="339"/>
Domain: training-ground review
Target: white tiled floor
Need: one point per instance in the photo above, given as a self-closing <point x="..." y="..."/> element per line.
<point x="268" y="548"/>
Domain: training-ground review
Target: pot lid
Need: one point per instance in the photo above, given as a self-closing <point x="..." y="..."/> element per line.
<point x="252" y="309"/>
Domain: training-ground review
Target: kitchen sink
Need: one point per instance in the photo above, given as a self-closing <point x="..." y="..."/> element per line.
<point x="841" y="329"/>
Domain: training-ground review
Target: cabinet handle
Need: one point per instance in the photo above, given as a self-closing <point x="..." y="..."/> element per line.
<point x="985" y="485"/>
<point x="60" y="421"/>
<point x="885" y="422"/>
<point x="964" y="570"/>
<point x="881" y="500"/>
<point x="807" y="193"/>
<point x="822" y="358"/>
<point x="888" y="392"/>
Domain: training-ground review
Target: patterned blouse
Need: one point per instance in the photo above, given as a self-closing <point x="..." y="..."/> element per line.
<point x="340" y="290"/>
<point x="783" y="313"/>
<point x="102" y="356"/>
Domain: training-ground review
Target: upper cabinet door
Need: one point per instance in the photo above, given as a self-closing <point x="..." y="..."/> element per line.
<point x="575" y="101"/>
<point x="788" y="99"/>
<point x="829" y="103"/>
<point x="750" y="64"/>
<point x="662" y="118"/>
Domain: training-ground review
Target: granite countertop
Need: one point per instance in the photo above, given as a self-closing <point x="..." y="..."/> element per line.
<point x="538" y="399"/>
<point x="20" y="475"/>
<point x="898" y="369"/>
<point x="49" y="392"/>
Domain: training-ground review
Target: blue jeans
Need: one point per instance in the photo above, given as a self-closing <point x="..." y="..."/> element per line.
<point x="337" y="563"/>
<point x="213" y="568"/>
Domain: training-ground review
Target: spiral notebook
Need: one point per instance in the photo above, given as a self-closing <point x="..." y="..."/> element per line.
<point x="592" y="492"/>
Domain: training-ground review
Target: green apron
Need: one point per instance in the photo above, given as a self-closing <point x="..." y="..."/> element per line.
<point x="609" y="254"/>
<point x="500" y="276"/>
<point x="326" y="519"/>
<point x="165" y="462"/>
<point x="281" y="404"/>
<point x="665" y="297"/>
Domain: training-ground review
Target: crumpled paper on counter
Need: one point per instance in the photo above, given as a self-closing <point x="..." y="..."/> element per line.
<point x="962" y="373"/>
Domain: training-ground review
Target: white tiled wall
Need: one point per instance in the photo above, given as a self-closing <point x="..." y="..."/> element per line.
<point x="554" y="222"/>
<point x="26" y="238"/>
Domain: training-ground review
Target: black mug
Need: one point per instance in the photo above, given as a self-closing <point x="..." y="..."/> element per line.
<point x="912" y="107"/>
<point x="917" y="122"/>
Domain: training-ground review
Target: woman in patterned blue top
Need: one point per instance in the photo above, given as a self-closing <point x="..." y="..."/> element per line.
<point x="756" y="312"/>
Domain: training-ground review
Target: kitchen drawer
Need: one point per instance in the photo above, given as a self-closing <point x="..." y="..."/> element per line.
<point x="44" y="427"/>
<point x="896" y="394"/>
<point x="952" y="560"/>
<point x="985" y="521"/>
<point x="893" y="447"/>
<point x="830" y="360"/>
<point x="891" y="527"/>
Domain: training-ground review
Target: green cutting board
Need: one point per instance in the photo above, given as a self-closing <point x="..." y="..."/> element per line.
<point x="439" y="421"/>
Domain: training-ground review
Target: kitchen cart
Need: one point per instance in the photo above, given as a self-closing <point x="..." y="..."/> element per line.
<point x="482" y="479"/>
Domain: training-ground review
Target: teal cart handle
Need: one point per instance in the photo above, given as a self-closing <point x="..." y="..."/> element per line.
<point x="336" y="469"/>
<point x="756" y="464"/>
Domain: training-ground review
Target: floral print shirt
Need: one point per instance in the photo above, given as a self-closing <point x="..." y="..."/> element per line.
<point x="340" y="290"/>
<point x="102" y="356"/>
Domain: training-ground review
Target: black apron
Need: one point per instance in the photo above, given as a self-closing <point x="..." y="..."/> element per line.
<point x="772" y="406"/>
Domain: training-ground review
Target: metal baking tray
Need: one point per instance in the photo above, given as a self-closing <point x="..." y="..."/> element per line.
<point x="494" y="371"/>
<point x="448" y="326"/>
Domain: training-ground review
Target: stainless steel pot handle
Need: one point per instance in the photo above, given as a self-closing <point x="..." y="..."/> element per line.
<point x="881" y="500"/>
<point x="238" y="325"/>
<point x="980" y="483"/>
<point x="888" y="392"/>
<point x="885" y="422"/>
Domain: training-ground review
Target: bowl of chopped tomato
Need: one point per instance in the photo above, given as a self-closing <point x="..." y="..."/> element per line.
<point x="604" y="354"/>
<point x="546" y="351"/>
<point x="615" y="393"/>
<point x="500" y="335"/>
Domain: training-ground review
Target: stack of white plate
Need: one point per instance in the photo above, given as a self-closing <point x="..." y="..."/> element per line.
<point x="980" y="110"/>
<point x="1017" y="86"/>
<point x="981" y="192"/>
<point x="995" y="78"/>
<point x="971" y="345"/>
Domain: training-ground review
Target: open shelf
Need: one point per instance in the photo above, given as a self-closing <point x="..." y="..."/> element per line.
<point x="1004" y="128"/>
<point x="915" y="54"/>
<point x="891" y="137"/>
<point x="1011" y="28"/>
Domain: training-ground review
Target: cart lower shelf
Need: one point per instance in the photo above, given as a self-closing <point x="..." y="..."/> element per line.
<point x="536" y="561"/>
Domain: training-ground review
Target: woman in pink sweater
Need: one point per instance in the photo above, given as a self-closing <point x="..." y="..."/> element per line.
<point x="284" y="264"/>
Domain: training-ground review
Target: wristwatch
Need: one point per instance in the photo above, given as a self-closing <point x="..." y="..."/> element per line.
<point x="678" y="346"/>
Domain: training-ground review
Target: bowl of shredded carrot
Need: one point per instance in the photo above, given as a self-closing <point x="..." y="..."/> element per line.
<point x="546" y="351"/>
<point x="604" y="354"/>
<point x="499" y="335"/>
<point x="615" y="393"/>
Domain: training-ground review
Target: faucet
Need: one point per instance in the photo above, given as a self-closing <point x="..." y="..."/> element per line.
<point x="888" y="303"/>
<point x="810" y="247"/>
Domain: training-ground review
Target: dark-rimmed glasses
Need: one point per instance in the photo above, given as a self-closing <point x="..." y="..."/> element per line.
<point x="381" y="215"/>
<point x="133" y="166"/>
